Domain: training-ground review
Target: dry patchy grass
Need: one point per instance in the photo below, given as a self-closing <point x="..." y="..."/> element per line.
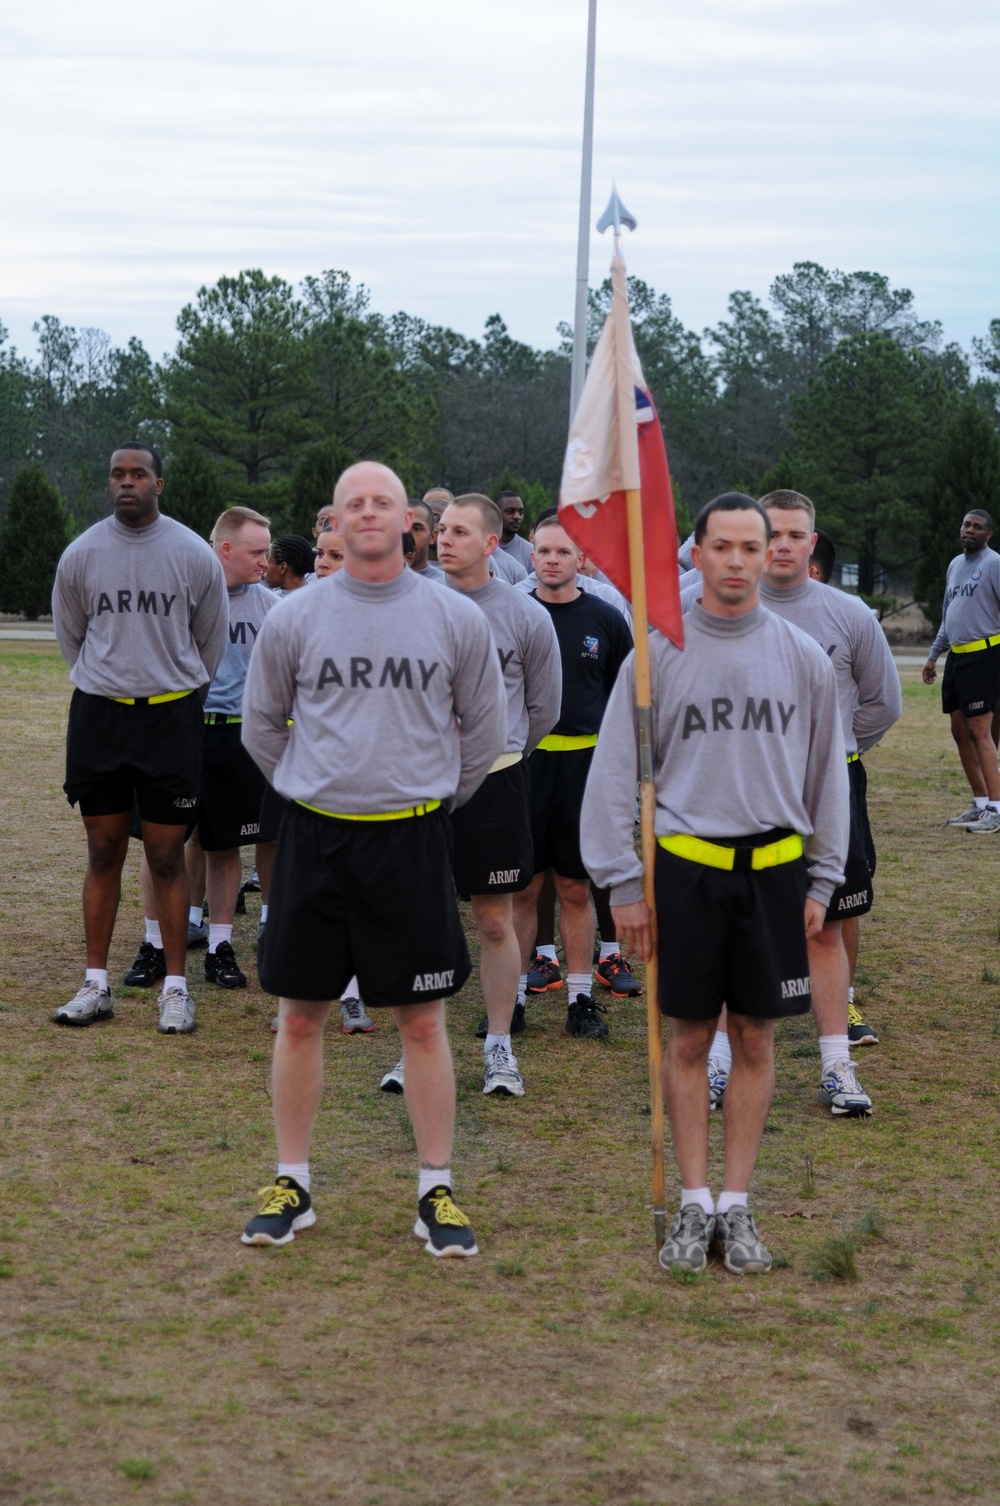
<point x="149" y="1356"/>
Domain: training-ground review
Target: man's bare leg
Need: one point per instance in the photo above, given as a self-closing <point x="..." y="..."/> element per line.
<point x="428" y="1080"/>
<point x="163" y="847"/>
<point x="577" y="923"/>
<point x="969" y="755"/>
<point x="748" y="1097"/>
<point x="979" y="731"/>
<point x="526" y="918"/>
<point x="500" y="958"/>
<point x="685" y="1088"/>
<point x="264" y="855"/>
<point x="107" y="847"/>
<point x="830" y="979"/>
<point x="851" y="930"/>
<point x="297" y="1076"/>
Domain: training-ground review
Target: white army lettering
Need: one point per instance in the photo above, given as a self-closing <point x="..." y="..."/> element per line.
<point x="794" y="988"/>
<point x="429" y="982"/>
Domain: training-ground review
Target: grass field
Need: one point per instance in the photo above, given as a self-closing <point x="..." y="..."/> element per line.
<point x="148" y="1356"/>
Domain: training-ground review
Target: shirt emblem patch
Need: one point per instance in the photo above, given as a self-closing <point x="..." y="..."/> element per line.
<point x="591" y="646"/>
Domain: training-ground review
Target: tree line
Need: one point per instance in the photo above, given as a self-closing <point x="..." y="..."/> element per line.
<point x="833" y="386"/>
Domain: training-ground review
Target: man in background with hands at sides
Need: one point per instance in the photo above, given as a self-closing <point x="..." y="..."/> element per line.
<point x="374" y="705"/>
<point x="748" y="758"/>
<point x="141" y="615"/>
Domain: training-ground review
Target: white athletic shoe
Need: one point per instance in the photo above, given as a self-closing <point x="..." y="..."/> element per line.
<point x="989" y="822"/>
<point x="176" y="1012"/>
<point x="718" y="1082"/>
<point x="89" y="1003"/>
<point x="354" y="1016"/>
<point x="392" y="1082"/>
<point x="842" y="1093"/>
<point x="972" y="814"/>
<point x="501" y="1074"/>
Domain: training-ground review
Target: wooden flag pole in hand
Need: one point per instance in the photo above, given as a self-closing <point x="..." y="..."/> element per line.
<point x="617" y="215"/>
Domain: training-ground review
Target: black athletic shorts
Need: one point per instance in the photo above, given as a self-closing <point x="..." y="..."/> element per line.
<point x="855" y="895"/>
<point x="492" y="833"/>
<point x="117" y="753"/>
<point x="371" y="898"/>
<point x="971" y="682"/>
<point x="558" y="781"/>
<point x="232" y="792"/>
<point x="272" y="808"/>
<point x="732" y="938"/>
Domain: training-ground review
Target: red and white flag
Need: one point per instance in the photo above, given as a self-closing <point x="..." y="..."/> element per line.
<point x="603" y="463"/>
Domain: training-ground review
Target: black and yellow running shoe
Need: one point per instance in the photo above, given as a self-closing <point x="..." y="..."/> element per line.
<point x="286" y="1209"/>
<point x="443" y="1225"/>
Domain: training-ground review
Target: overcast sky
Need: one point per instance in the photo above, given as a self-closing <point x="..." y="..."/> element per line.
<point x="433" y="151"/>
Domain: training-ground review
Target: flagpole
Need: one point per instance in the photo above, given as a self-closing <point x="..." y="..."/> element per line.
<point x="579" y="368"/>
<point x="643" y="700"/>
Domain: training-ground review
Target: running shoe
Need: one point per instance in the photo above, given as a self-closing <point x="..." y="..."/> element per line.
<point x="583" y="1018"/>
<point x="718" y="1082"/>
<point x="149" y="967"/>
<point x="972" y="814"/>
<point x="274" y="1024"/>
<point x="252" y="884"/>
<point x="543" y="974"/>
<point x="286" y="1209"/>
<point x="443" y="1225"/>
<point x="89" y="1003"/>
<point x="392" y="1082"/>
<point x="858" y="1033"/>
<point x="842" y="1093"/>
<point x="737" y="1241"/>
<point x="615" y="973"/>
<point x="197" y="936"/>
<point x="501" y="1074"/>
<point x="688" y="1243"/>
<point x="353" y="1016"/>
<point x="222" y="969"/>
<point x="176" y="1012"/>
<point x="516" y="1023"/>
<point x="989" y="822"/>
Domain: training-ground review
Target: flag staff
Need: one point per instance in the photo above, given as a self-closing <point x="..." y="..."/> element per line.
<point x="579" y="368"/>
<point x="616" y="215"/>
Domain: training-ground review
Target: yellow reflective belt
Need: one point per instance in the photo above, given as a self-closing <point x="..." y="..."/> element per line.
<point x="505" y="761"/>
<point x="411" y="810"/>
<point x="556" y="744"/>
<point x="974" y="648"/>
<point x="712" y="855"/>
<point x="152" y="700"/>
<point x="217" y="718"/>
<point x="853" y="757"/>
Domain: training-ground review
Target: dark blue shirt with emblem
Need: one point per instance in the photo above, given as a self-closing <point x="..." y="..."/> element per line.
<point x="594" y="642"/>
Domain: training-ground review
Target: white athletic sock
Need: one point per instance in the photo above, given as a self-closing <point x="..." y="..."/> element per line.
<point x="547" y="951"/>
<point x="833" y="1048"/>
<point x="263" y="915"/>
<point x="97" y="975"/>
<point x="297" y="1169"/>
<point x="432" y="1176"/>
<point x="522" y="988"/>
<point x="352" y="991"/>
<point x="194" y="915"/>
<point x="495" y="1040"/>
<point x="721" y="1050"/>
<point x="579" y="983"/>
<point x="609" y="949"/>
<point x="729" y="1200"/>
<point x="700" y="1195"/>
<point x="217" y="934"/>
<point x="175" y="980"/>
<point x="993" y="805"/>
<point x="153" y="934"/>
<point x="850" y="994"/>
<point x="980" y="802"/>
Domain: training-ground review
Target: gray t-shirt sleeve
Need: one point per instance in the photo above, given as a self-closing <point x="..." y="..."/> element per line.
<point x="210" y="617"/>
<point x="69" y="617"/>
<point x="880" y="699"/>
<point x="608" y="815"/>
<point x="269" y="695"/>
<point x="480" y="705"/>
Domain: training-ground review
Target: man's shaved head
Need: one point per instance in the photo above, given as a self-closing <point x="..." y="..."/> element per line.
<point x="373" y="476"/>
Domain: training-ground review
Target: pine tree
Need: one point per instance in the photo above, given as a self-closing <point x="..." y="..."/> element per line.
<point x="965" y="474"/>
<point x="192" y="491"/>
<point x="33" y="534"/>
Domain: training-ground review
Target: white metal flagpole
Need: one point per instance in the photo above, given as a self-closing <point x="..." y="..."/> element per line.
<point x="579" y="370"/>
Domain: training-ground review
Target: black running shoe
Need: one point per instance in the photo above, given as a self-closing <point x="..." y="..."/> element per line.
<point x="583" y="1018"/>
<point x="241" y="903"/>
<point x="285" y="1210"/>
<point x="443" y="1225"/>
<point x="149" y="967"/>
<point x="222" y="969"/>
<point x="516" y="1024"/>
<point x="615" y="973"/>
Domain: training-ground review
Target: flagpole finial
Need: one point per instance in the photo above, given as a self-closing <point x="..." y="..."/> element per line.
<point x="616" y="215"/>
